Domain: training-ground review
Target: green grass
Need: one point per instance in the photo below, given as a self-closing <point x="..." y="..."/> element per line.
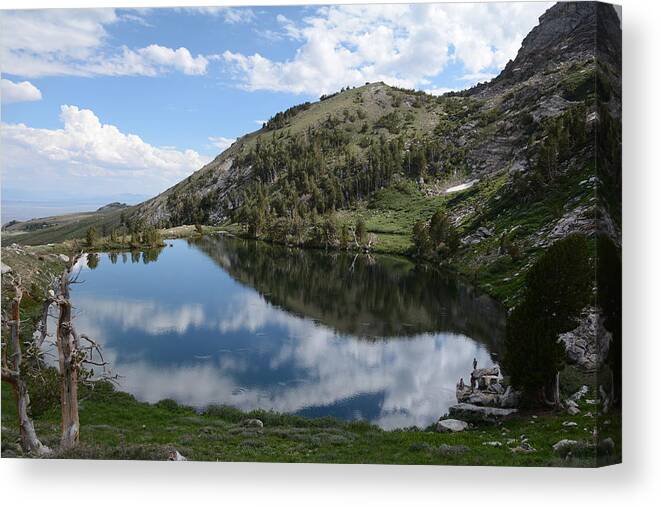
<point x="116" y="426"/>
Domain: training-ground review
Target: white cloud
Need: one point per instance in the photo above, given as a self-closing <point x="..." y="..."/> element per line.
<point x="89" y="155"/>
<point x="438" y="91"/>
<point x="238" y="15"/>
<point x="222" y="142"/>
<point x="231" y="15"/>
<point x="404" y="45"/>
<point x="18" y="92"/>
<point x="150" y="61"/>
<point x="75" y="42"/>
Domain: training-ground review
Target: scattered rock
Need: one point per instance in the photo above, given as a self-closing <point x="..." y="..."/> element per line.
<point x="450" y="426"/>
<point x="253" y="423"/>
<point x="569" y="424"/>
<point x="493" y="443"/>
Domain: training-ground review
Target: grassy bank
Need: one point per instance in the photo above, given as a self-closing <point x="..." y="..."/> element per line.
<point x="116" y="426"/>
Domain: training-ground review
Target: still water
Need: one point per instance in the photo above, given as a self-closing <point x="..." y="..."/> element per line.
<point x="243" y="323"/>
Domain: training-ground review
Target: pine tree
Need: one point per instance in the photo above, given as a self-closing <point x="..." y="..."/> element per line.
<point x="558" y="287"/>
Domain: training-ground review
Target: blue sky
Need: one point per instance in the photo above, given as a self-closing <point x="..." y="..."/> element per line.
<point x="114" y="101"/>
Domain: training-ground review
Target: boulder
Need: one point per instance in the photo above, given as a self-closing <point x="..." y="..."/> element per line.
<point x="578" y="395"/>
<point x="450" y="426"/>
<point x="175" y="455"/>
<point x="496" y="388"/>
<point x="490" y="397"/>
<point x="63" y="258"/>
<point x="510" y="398"/>
<point x="573" y="410"/>
<point x="493" y="371"/>
<point x="606" y="446"/>
<point x="473" y="413"/>
<point x="253" y="423"/>
<point x="523" y="448"/>
<point x="5" y="268"/>
<point x="564" y="446"/>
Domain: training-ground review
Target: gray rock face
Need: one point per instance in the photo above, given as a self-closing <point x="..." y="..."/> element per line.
<point x="587" y="345"/>
<point x="450" y="426"/>
<point x="474" y="413"/>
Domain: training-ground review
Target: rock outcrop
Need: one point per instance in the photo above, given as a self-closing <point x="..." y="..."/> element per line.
<point x="587" y="345"/>
<point x="473" y="413"/>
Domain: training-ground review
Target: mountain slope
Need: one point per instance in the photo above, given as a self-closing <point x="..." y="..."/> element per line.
<point x="520" y="150"/>
<point x="340" y="151"/>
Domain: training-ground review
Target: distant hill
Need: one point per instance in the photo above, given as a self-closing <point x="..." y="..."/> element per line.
<point x="112" y="207"/>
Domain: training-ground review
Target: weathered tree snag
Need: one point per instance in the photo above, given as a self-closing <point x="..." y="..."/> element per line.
<point x="71" y="355"/>
<point x="11" y="373"/>
<point x="67" y="347"/>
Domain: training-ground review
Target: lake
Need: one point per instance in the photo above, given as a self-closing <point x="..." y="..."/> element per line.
<point x="222" y="320"/>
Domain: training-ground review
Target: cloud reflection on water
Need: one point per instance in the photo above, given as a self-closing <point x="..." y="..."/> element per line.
<point x="234" y="347"/>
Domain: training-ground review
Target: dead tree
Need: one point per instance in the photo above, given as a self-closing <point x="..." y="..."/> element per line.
<point x="71" y="354"/>
<point x="67" y="348"/>
<point x="12" y="358"/>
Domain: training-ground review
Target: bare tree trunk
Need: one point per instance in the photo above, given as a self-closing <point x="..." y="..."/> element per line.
<point x="556" y="390"/>
<point x="555" y="401"/>
<point x="67" y="348"/>
<point x="11" y="373"/>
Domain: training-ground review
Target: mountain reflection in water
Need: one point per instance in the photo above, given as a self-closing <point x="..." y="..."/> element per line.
<point x="253" y="325"/>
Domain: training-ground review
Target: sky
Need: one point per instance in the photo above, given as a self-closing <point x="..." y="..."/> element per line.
<point x="108" y="103"/>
